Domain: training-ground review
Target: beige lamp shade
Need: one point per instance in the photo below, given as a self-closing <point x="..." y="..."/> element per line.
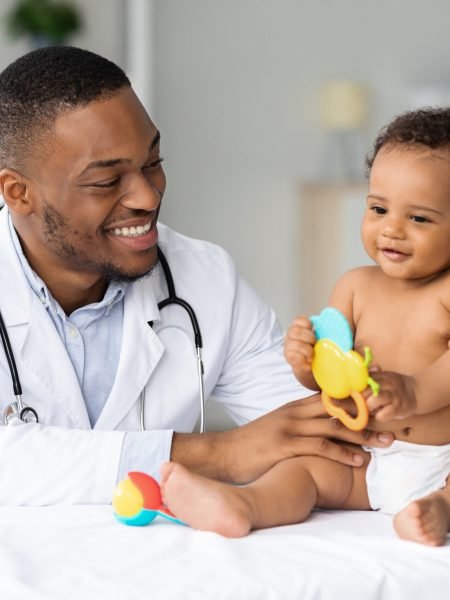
<point x="343" y="105"/>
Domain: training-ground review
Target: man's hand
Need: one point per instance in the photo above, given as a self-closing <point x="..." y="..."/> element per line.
<point x="396" y="398"/>
<point x="299" y="428"/>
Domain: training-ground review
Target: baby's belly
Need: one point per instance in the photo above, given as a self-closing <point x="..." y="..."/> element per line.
<point x="432" y="428"/>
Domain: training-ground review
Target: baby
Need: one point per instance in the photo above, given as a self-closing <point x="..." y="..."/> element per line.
<point x="400" y="308"/>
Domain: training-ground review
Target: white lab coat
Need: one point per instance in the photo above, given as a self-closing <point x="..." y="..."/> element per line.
<point x="242" y="355"/>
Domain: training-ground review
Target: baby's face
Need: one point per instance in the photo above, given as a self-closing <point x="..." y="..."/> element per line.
<point x="406" y="226"/>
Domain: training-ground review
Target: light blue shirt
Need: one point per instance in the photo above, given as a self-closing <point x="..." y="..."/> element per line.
<point x="92" y="336"/>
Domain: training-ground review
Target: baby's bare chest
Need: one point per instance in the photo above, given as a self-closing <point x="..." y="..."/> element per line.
<point x="405" y="333"/>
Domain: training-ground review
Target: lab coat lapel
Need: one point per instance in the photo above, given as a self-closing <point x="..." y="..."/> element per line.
<point x="44" y="355"/>
<point x="140" y="353"/>
<point x="34" y="337"/>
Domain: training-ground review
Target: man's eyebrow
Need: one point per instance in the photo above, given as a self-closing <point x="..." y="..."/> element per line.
<point x="112" y="162"/>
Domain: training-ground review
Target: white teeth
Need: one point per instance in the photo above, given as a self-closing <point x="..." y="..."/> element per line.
<point x="132" y="231"/>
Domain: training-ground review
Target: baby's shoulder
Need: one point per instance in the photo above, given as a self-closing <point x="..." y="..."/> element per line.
<point x="361" y="276"/>
<point x="355" y="287"/>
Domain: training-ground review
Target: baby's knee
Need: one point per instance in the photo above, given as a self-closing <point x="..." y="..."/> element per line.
<point x="333" y="481"/>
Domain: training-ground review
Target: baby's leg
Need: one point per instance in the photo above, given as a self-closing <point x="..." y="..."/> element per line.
<point x="284" y="495"/>
<point x="427" y="520"/>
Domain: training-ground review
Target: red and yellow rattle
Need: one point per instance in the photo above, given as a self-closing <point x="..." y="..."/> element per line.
<point x="339" y="370"/>
<point x="137" y="500"/>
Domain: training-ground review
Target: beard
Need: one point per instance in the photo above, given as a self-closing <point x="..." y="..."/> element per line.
<point x="58" y="234"/>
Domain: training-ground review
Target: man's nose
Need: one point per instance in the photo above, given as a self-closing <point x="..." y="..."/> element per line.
<point x="142" y="195"/>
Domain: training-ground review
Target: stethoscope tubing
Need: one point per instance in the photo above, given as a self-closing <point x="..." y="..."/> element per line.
<point x="17" y="408"/>
<point x="172" y="298"/>
<point x="17" y="387"/>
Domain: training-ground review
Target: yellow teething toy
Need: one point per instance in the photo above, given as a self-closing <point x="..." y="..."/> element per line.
<point x="339" y="370"/>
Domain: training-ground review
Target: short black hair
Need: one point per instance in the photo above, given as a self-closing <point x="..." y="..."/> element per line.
<point x="428" y="126"/>
<point x="40" y="86"/>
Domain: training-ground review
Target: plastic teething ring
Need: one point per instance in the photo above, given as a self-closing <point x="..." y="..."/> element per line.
<point x="354" y="423"/>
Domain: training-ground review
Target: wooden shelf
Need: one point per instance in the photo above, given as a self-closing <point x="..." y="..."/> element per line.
<point x="329" y="241"/>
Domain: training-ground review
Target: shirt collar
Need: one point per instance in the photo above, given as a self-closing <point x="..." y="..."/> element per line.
<point x="113" y="294"/>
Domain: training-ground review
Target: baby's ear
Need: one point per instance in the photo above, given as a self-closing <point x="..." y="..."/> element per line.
<point x="15" y="189"/>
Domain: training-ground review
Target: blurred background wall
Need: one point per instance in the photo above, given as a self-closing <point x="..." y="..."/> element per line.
<point x="237" y="96"/>
<point x="236" y="87"/>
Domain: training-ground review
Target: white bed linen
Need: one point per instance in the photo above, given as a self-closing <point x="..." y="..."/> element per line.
<point x="82" y="552"/>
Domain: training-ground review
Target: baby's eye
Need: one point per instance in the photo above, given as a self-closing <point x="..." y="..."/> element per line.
<point x="419" y="219"/>
<point x="378" y="210"/>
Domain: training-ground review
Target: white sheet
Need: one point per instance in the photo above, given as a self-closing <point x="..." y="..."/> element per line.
<point x="82" y="552"/>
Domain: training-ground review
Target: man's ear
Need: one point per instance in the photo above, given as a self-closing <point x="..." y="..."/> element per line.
<point x="14" y="188"/>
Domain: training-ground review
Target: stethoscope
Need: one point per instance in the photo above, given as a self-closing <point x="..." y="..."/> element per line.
<point x="19" y="411"/>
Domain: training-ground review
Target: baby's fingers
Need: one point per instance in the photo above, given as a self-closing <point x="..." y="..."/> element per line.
<point x="375" y="403"/>
<point x="299" y="334"/>
<point x="386" y="413"/>
<point x="299" y="356"/>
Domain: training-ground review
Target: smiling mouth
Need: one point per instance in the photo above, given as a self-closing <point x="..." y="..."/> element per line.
<point x="393" y="254"/>
<point x="131" y="232"/>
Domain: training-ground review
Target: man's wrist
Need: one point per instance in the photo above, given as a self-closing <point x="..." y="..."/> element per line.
<point x="204" y="453"/>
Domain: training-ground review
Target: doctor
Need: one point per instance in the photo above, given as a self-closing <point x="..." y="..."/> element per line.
<point x="80" y="281"/>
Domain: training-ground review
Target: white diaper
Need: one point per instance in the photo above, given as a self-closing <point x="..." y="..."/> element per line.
<point x="405" y="472"/>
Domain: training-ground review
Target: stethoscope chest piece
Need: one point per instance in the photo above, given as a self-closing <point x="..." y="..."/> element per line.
<point x="18" y="411"/>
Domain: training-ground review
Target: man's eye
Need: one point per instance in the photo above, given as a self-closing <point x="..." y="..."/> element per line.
<point x="107" y="184"/>
<point x="153" y="165"/>
<point x="378" y="210"/>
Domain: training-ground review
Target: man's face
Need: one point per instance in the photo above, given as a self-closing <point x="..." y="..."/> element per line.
<point x="97" y="192"/>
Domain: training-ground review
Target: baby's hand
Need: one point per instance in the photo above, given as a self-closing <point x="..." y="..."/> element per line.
<point x="396" y="398"/>
<point x="299" y="345"/>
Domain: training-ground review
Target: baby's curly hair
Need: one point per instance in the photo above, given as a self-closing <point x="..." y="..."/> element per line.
<point x="41" y="86"/>
<point x="423" y="127"/>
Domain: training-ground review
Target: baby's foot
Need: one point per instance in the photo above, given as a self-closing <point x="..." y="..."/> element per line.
<point x="425" y="521"/>
<point x="203" y="503"/>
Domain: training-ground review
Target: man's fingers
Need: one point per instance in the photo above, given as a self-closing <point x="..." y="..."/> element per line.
<point x="307" y="408"/>
<point x="327" y="449"/>
<point x="333" y="428"/>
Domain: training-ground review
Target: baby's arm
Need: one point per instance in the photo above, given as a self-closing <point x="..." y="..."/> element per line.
<point x="300" y="338"/>
<point x="401" y="396"/>
<point x="422" y="392"/>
